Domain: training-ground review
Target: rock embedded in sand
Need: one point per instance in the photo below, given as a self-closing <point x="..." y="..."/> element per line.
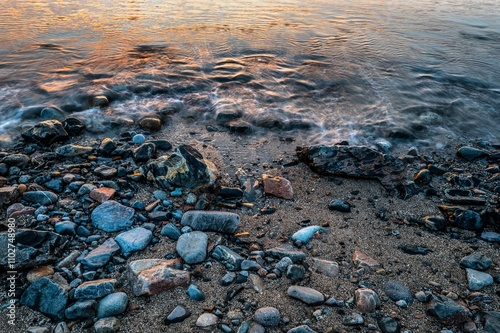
<point x="339" y="205"/>
<point x="144" y="152"/>
<point x="102" y="194"/>
<point x="112" y="305"/>
<point x="178" y="314"/>
<point x="277" y="186"/>
<point x="267" y="316"/>
<point x="366" y="300"/>
<point x="44" y="198"/>
<point x="362" y="260"/>
<point x="38" y="273"/>
<point x="105" y="172"/>
<point x="491" y="321"/>
<point x="478" y="280"/>
<point x="153" y="276"/>
<point x="150" y="123"/>
<point x="354" y="319"/>
<point x="389" y="325"/>
<point x="301" y="329"/>
<point x="95" y="289"/>
<point x="100" y="101"/>
<point x="106" y="147"/>
<point x="107" y="325"/>
<point x="396" y="291"/>
<point x="307" y="295"/>
<point x="72" y="150"/>
<point x="19" y="160"/>
<point x="112" y="216"/>
<point x="231" y="260"/>
<point x="46" y="132"/>
<point x="224" y="222"/>
<point x="306" y="234"/>
<point x="422" y="177"/>
<point x="326" y="267"/>
<point x="477" y="261"/>
<point x="207" y="320"/>
<point x="448" y="311"/>
<point x="8" y="195"/>
<point x="286" y="250"/>
<point x="192" y="247"/>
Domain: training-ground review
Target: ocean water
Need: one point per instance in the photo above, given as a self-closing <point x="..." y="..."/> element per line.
<point x="367" y="71"/>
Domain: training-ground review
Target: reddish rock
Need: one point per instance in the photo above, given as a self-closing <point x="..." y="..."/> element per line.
<point x="39" y="272"/>
<point x="153" y="276"/>
<point x="277" y="186"/>
<point x="362" y="260"/>
<point x="18" y="209"/>
<point x="325" y="267"/>
<point x="102" y="194"/>
<point x="367" y="300"/>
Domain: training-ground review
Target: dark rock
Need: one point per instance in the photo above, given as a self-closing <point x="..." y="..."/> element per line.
<point x="95" y="289"/>
<point x="19" y="160"/>
<point x="73" y="126"/>
<point x="470" y="153"/>
<point x="153" y="276"/>
<point x="240" y="126"/>
<point x="491" y="322"/>
<point x="162" y="144"/>
<point x="106" y="147"/>
<point x="231" y="260"/>
<point x="211" y="221"/>
<point x="144" y="152"/>
<point x="107" y="325"/>
<point x="150" y="123"/>
<point x="112" y="305"/>
<point x="353" y="161"/>
<point x="306" y="295"/>
<point x="468" y="219"/>
<point x="407" y="190"/>
<point x="286" y="250"/>
<point x="415" y="249"/>
<point x="47" y="297"/>
<point x="44" y="198"/>
<point x="72" y="150"/>
<point x="112" y="216"/>
<point x="434" y="222"/>
<point x="354" y="319"/>
<point x="46" y="132"/>
<point x="101" y="255"/>
<point x="448" y="311"/>
<point x="267" y="316"/>
<point x="295" y="272"/>
<point x="195" y="294"/>
<point x="170" y="231"/>
<point x="18" y="209"/>
<point x="339" y="205"/>
<point x="389" y="325"/>
<point x="192" y="247"/>
<point x="105" y="172"/>
<point x="56" y="185"/>
<point x="184" y="168"/>
<point x="51" y="113"/>
<point x="66" y="228"/>
<point x="302" y="329"/>
<point x="177" y="315"/>
<point x="477" y="261"/>
<point x="397" y="291"/>
<point x="8" y="195"/>
<point x="99" y="101"/>
<point x="423" y="177"/>
<point x="82" y="309"/>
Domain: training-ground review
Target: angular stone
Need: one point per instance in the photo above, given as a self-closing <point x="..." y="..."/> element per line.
<point x="177" y="315"/>
<point x="195" y="293"/>
<point x="106" y="147"/>
<point x="306" y="295"/>
<point x="44" y="198"/>
<point x="95" y="289"/>
<point x="192" y="247"/>
<point x="362" y="260"/>
<point x="207" y="320"/>
<point x="353" y="161"/>
<point x="306" y="234"/>
<point x="105" y="172"/>
<point x="8" y="195"/>
<point x="46" y="132"/>
<point x="389" y="325"/>
<point x="448" y="311"/>
<point x="82" y="309"/>
<point x="477" y="261"/>
<point x="170" y="231"/>
<point x="184" y="168"/>
<point x="56" y="185"/>
<point x="434" y="222"/>
<point x="73" y="126"/>
<point x="112" y="216"/>
<point x="211" y="221"/>
<point x="339" y="205"/>
<point x="73" y="150"/>
<point x="277" y="186"/>
<point x="47" y="297"/>
<point x="397" y="291"/>
<point x="468" y="219"/>
<point x="366" y="300"/>
<point x="478" y="280"/>
<point x="134" y="240"/>
<point x="422" y="177"/>
<point x="301" y="329"/>
<point x="295" y="272"/>
<point x="100" y="256"/>
<point x="231" y="260"/>
<point x="153" y="276"/>
<point x="144" y="152"/>
<point x="66" y="228"/>
<point x="107" y="325"/>
<point x="286" y="250"/>
<point x="150" y="123"/>
<point x="325" y="267"/>
<point x="354" y="319"/>
<point x="267" y="316"/>
<point x="102" y="194"/>
<point x="100" y="101"/>
<point x="112" y="305"/>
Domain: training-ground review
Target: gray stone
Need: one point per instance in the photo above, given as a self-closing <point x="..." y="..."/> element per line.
<point x="250" y="265"/>
<point x="56" y="185"/>
<point x="38" y="329"/>
<point x="73" y="150"/>
<point x="95" y="289"/>
<point x="51" y="113"/>
<point x="256" y="328"/>
<point x="491" y="322"/>
<point x="101" y="255"/>
<point x="112" y="305"/>
<point x="302" y="329"/>
<point x="211" y="221"/>
<point x="134" y="240"/>
<point x="207" y="320"/>
<point x="307" y="295"/>
<point x="471" y="153"/>
<point x="478" y="280"/>
<point x="66" y="228"/>
<point x="107" y="325"/>
<point x="434" y="222"/>
<point x="448" y="311"/>
<point x="490" y="236"/>
<point x="295" y="272"/>
<point x="325" y="267"/>
<point x="231" y="260"/>
<point x="61" y="327"/>
<point x="153" y="276"/>
<point x="354" y="319"/>
<point x="192" y="247"/>
<point x="47" y="297"/>
<point x="397" y="291"/>
<point x="170" y="231"/>
<point x="106" y="172"/>
<point x="19" y="160"/>
<point x="283" y="264"/>
<point x="46" y="132"/>
<point x="82" y="309"/>
<point x="86" y="189"/>
<point x="112" y="216"/>
<point x="267" y="316"/>
<point x="44" y="198"/>
<point x="477" y="261"/>
<point x="389" y="325"/>
<point x="468" y="219"/>
<point x="366" y="300"/>
<point x="227" y="279"/>
<point x="286" y="250"/>
<point x="306" y="234"/>
<point x="177" y="315"/>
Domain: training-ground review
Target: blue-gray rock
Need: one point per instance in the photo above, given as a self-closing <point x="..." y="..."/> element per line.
<point x="490" y="236"/>
<point x="227" y="279"/>
<point x="244" y="327"/>
<point x="283" y="264"/>
<point x="82" y="309"/>
<point x="295" y="272"/>
<point x="468" y="219"/>
<point x="86" y="189"/>
<point x="83" y="231"/>
<point x="19" y="160"/>
<point x="51" y="113"/>
<point x="134" y="240"/>
<point x="225" y="328"/>
<point x="177" y="315"/>
<point x="478" y="280"/>
<point x="192" y="247"/>
<point x="471" y="153"/>
<point x="8" y="195"/>
<point x="112" y="216"/>
<point x="397" y="291"/>
<point x="307" y="295"/>
<point x="224" y="222"/>
<point x="491" y="322"/>
<point x="56" y="185"/>
<point x="112" y="305"/>
<point x="73" y="150"/>
<point x="105" y="172"/>
<point x="107" y="325"/>
<point x="170" y="231"/>
<point x="306" y="234"/>
<point x="194" y="293"/>
<point x="47" y="297"/>
<point x="448" y="311"/>
<point x="100" y="256"/>
<point x="95" y="289"/>
<point x="389" y="325"/>
<point x="44" y="198"/>
<point x="66" y="228"/>
<point x="302" y="329"/>
<point x="354" y="319"/>
<point x="46" y="132"/>
<point x="477" y="261"/>
<point x="231" y="260"/>
<point x="160" y="195"/>
<point x="339" y="205"/>
<point x="267" y="316"/>
<point x="250" y="265"/>
<point x="286" y="250"/>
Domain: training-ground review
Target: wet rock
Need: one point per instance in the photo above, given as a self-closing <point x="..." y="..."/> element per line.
<point x="362" y="260"/>
<point x="302" y="329"/>
<point x="195" y="293"/>
<point x="471" y="153"/>
<point x="112" y="305"/>
<point x="306" y="295"/>
<point x="306" y="234"/>
<point x="105" y="172"/>
<point x="325" y="267"/>
<point x="134" y="240"/>
<point x="46" y="132"/>
<point x="150" y="123"/>
<point x="19" y="160"/>
<point x="162" y="144"/>
<point x="397" y="291"/>
<point x="82" y="309"/>
<point x="366" y="300"/>
<point x="267" y="316"/>
<point x="100" y="256"/>
<point x="170" y="231"/>
<point x="478" y="280"/>
<point x="102" y="194"/>
<point x="434" y="223"/>
<point x="95" y="289"/>
<point x="231" y="260"/>
<point x="99" y="101"/>
<point x="339" y="205"/>
<point x="448" y="311"/>
<point x="468" y="220"/>
<point x="44" y="198"/>
<point x="112" y="216"/>
<point x="18" y="209"/>
<point x="277" y="186"/>
<point x="8" y="195"/>
<point x="153" y="276"/>
<point x="66" y="228"/>
<point x="177" y="315"/>
<point x="47" y="297"/>
<point x="106" y="147"/>
<point x="138" y="139"/>
<point x="491" y="322"/>
<point x="354" y="319"/>
<point x="423" y="177"/>
<point x="240" y="126"/>
<point x="73" y="126"/>
<point x="286" y="250"/>
<point x="51" y="113"/>
<point x="477" y="261"/>
<point x="389" y="325"/>
<point x="295" y="272"/>
<point x="192" y="247"/>
<point x="211" y="221"/>
<point x="353" y="161"/>
<point x="207" y="320"/>
<point x="72" y="150"/>
<point x="144" y="152"/>
<point x="107" y="325"/>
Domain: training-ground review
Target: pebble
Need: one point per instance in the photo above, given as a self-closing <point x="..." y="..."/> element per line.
<point x="176" y="193"/>
<point x="468" y="219"/>
<point x="339" y="205"/>
<point x="153" y="276"/>
<point x="107" y="325"/>
<point x="102" y="194"/>
<point x="138" y="139"/>
<point x="44" y="198"/>
<point x="354" y="319"/>
<point x="101" y="255"/>
<point x="81" y="309"/>
<point x="477" y="261"/>
<point x="38" y="329"/>
<point x="471" y="153"/>
<point x="112" y="216"/>
<point x="95" y="289"/>
<point x="134" y="240"/>
<point x="434" y="222"/>
<point x="366" y="300"/>
<point x="256" y="328"/>
<point x="286" y="250"/>
<point x="277" y="186"/>
<point x="491" y="236"/>
<point x="177" y="315"/>
<point x="195" y="294"/>
<point x="295" y="272"/>
<point x="478" y="280"/>
<point x="397" y="291"/>
<point x="326" y="268"/>
<point x="267" y="316"/>
<point x="207" y="320"/>
<point x="307" y="295"/>
<point x="227" y="279"/>
<point x="170" y="231"/>
<point x="362" y="260"/>
<point x="86" y="189"/>
<point x="223" y="222"/>
<point x="105" y="172"/>
<point x="192" y="247"/>
<point x="302" y="329"/>
<point x="422" y="177"/>
<point x="61" y="327"/>
<point x="231" y="260"/>
<point x="491" y="321"/>
<point x="112" y="305"/>
<point x="389" y="325"/>
<point x="46" y="296"/>
<point x="283" y="264"/>
<point x="306" y="234"/>
<point x="65" y="228"/>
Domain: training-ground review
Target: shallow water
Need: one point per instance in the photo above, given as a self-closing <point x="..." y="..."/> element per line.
<point x="366" y="71"/>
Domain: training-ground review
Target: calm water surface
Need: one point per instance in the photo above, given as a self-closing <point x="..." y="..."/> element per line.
<point x="366" y="71"/>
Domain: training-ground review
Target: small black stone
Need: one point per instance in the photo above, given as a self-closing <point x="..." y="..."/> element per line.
<point x="177" y="315"/>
